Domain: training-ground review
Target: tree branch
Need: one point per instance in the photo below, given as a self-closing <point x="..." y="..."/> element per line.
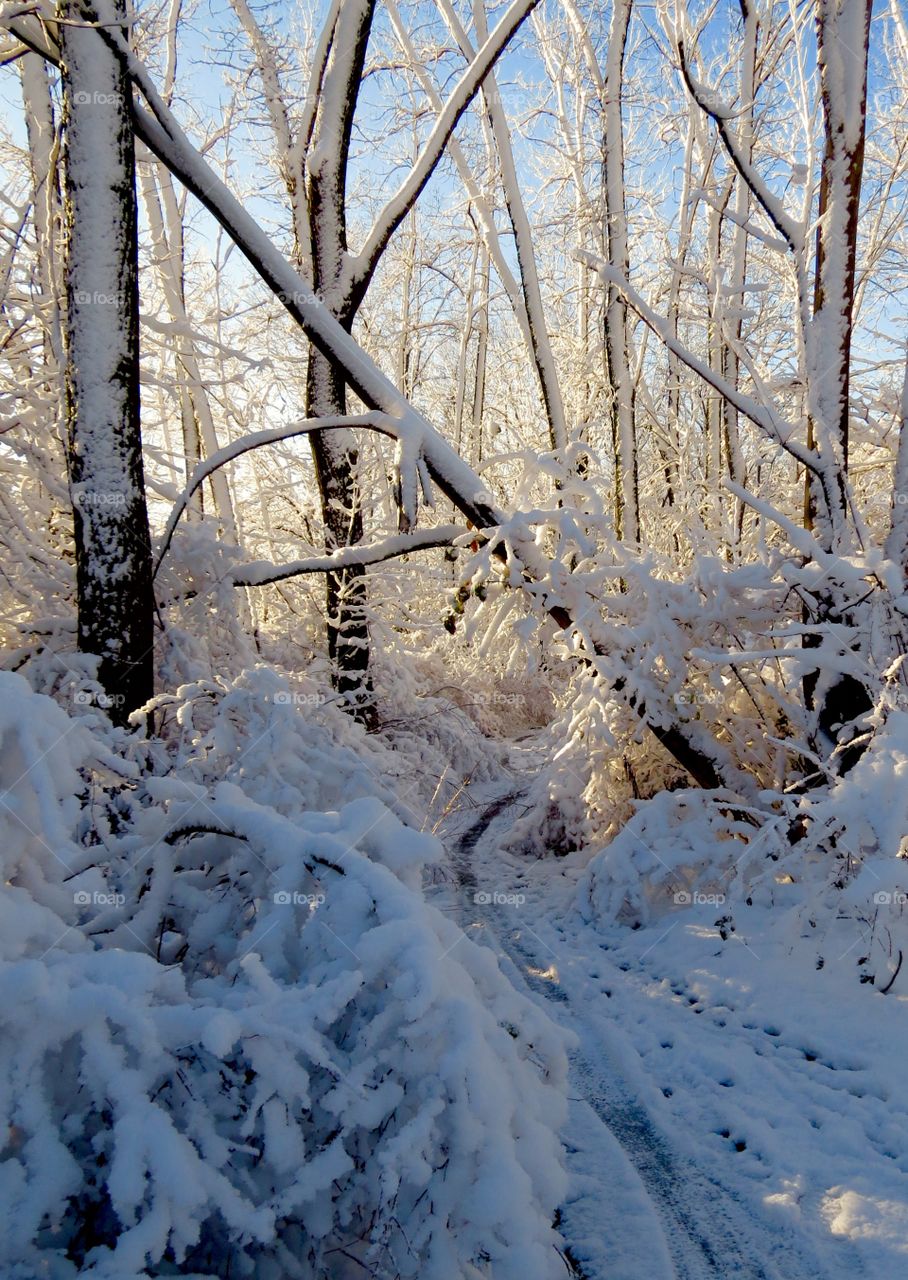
<point x="790" y="230"/>
<point x="362" y="267"/>
<point x="376" y="421"/>
<point x="777" y="428"/>
<point x="260" y="573"/>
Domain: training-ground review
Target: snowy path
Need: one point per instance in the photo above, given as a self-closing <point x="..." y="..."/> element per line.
<point x="642" y="1204"/>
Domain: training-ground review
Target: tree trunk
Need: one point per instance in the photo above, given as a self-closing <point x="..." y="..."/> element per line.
<point x="621" y="384"/>
<point x="42" y="139"/>
<point x="738" y="275"/>
<point x="345" y="594"/>
<point x="113" y="554"/>
<point x="482" y="352"/>
<point x="843" y="40"/>
<point x="169" y="261"/>
<point x="335" y="452"/>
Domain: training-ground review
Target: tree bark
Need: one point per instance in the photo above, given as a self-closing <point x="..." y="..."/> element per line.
<point x="113" y="552"/>
<point x="843" y="42"/>
<point x="335" y="452"/>
<point x="621" y="384"/>
<point x="738" y="276"/>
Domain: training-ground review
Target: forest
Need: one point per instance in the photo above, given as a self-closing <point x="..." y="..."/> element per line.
<point x="453" y="639"/>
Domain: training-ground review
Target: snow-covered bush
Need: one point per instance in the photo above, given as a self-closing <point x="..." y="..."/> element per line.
<point x="830" y="865"/>
<point x="678" y="847"/>
<point x="235" y="1039"/>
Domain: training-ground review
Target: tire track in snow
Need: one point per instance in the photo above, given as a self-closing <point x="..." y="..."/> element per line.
<point x="642" y="1211"/>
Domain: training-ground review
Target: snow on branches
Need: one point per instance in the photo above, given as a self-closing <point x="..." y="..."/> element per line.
<point x="235" y="1037"/>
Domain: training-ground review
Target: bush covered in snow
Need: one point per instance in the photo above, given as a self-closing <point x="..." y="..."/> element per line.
<point x="831" y="861"/>
<point x="235" y="1038"/>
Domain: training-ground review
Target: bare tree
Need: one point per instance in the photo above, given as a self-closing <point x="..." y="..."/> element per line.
<point x="314" y="156"/>
<point x="621" y="386"/>
<point x="113" y="559"/>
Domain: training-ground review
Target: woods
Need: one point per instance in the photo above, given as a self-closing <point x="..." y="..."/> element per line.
<point x="385" y="385"/>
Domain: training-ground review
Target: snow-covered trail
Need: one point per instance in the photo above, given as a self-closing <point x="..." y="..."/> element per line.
<point x="640" y="1206"/>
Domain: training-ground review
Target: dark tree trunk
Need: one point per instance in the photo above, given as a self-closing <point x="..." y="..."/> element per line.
<point x="345" y="591"/>
<point x="113" y="556"/>
<point x="335" y="452"/>
<point x="843" y="38"/>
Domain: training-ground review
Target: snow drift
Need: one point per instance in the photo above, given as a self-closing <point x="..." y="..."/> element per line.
<point x="235" y="1038"/>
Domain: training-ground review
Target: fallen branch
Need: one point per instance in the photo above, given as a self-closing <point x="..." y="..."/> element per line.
<point x="884" y="991"/>
<point x="185" y="830"/>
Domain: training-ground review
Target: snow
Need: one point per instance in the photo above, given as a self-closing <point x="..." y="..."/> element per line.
<point x="488" y="991"/>
<point x="745" y="1052"/>
<point x="316" y="1055"/>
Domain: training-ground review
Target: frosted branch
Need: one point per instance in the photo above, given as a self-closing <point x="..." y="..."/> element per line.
<point x="259" y="573"/>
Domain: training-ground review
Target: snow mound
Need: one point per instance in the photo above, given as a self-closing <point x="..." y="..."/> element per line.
<point x="237" y="1040"/>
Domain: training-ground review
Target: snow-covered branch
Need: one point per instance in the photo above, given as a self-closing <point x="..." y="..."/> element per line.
<point x="255" y="440"/>
<point x="362" y="267"/>
<point x="782" y="432"/>
<point x="538" y="333"/>
<point x="788" y="228"/>
<point x="260" y="572"/>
